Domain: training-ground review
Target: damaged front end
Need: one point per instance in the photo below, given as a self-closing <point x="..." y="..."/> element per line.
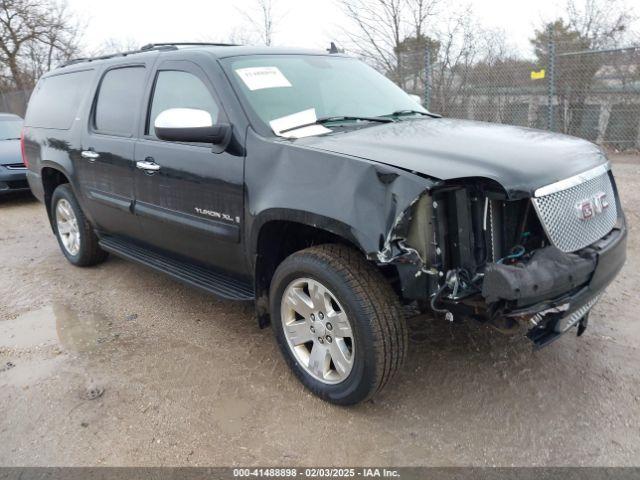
<point x="531" y="265"/>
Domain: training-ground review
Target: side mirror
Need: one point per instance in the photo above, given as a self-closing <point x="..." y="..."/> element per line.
<point x="190" y="125"/>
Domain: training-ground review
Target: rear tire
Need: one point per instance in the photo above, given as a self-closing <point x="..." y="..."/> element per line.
<point x="75" y="234"/>
<point x="335" y="282"/>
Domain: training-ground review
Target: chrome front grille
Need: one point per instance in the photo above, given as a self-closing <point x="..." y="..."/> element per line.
<point x="560" y="213"/>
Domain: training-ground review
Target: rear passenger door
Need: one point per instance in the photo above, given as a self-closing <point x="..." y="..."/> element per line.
<point x="106" y="166"/>
<point x="192" y="204"/>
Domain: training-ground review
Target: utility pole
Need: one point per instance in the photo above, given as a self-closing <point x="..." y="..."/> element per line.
<point x="427" y="78"/>
<point x="551" y="67"/>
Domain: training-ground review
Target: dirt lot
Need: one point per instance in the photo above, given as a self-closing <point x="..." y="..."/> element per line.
<point x="184" y="379"/>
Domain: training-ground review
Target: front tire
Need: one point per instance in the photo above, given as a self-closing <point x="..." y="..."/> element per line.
<point x="75" y="234"/>
<point x="338" y="323"/>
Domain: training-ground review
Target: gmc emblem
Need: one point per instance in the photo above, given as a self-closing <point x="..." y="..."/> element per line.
<point x="590" y="207"/>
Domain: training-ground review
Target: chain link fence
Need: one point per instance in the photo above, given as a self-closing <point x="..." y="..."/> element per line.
<point x="596" y="95"/>
<point x="593" y="94"/>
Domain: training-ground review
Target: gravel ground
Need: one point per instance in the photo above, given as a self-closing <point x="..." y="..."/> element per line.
<point x="118" y="365"/>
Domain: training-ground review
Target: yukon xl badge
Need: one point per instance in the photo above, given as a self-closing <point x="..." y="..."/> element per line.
<point x="218" y="215"/>
<point x="590" y="207"/>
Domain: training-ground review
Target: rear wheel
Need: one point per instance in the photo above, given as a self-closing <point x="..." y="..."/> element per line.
<point x="338" y="323"/>
<point x="75" y="234"/>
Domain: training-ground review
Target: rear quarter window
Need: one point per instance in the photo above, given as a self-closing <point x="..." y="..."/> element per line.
<point x="56" y="99"/>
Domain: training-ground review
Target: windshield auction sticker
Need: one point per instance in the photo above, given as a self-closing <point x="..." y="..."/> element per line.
<point x="298" y="125"/>
<point x="257" y="78"/>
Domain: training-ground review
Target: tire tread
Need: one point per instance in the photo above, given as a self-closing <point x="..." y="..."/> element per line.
<point x="379" y="303"/>
<point x="90" y="251"/>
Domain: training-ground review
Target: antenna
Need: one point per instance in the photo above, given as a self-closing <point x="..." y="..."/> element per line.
<point x="334" y="49"/>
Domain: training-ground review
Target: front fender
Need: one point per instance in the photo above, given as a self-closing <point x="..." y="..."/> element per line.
<point x="359" y="200"/>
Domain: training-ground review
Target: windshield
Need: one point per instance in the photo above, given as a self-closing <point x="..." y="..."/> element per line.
<point x="10" y="129"/>
<point x="302" y="88"/>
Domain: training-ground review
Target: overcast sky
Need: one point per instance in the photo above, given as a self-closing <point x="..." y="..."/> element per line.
<point x="306" y="23"/>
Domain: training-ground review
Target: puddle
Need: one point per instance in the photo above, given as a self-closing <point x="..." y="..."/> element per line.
<point x="56" y="324"/>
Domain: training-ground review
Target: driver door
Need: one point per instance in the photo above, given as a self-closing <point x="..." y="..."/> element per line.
<point x="190" y="200"/>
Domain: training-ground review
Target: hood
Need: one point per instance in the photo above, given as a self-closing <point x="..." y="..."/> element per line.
<point x="520" y="159"/>
<point x="10" y="152"/>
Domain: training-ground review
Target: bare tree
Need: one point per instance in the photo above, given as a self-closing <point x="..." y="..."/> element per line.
<point x="263" y="19"/>
<point x="378" y="33"/>
<point x="34" y="35"/>
<point x="601" y="23"/>
<point x="114" y="45"/>
<point x="240" y="36"/>
<point x="387" y="32"/>
<point x="460" y="44"/>
<point x="396" y="36"/>
<point x="586" y="25"/>
<point x="421" y="13"/>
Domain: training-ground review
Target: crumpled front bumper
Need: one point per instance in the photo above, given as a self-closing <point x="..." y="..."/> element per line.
<point x="548" y="319"/>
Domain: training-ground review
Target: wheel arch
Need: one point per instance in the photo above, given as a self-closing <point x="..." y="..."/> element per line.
<point x="278" y="236"/>
<point x="52" y="177"/>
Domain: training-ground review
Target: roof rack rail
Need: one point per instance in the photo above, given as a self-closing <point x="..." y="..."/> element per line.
<point x="150" y="47"/>
<point x="187" y="44"/>
<point x="145" y="48"/>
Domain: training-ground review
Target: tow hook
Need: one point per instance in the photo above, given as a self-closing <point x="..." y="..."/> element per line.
<point x="582" y="325"/>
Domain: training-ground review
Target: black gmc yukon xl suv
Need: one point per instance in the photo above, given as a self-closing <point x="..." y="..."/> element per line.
<point x="312" y="185"/>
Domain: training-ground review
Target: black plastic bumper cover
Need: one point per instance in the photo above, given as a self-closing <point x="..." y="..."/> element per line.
<point x="548" y="272"/>
<point x="609" y="254"/>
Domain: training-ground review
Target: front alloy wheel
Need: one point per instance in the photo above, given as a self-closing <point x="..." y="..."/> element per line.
<point x="338" y="323"/>
<point x="317" y="330"/>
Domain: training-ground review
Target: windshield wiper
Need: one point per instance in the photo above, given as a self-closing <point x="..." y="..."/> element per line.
<point x="400" y="113"/>
<point x="12" y="138"/>
<point x="323" y="120"/>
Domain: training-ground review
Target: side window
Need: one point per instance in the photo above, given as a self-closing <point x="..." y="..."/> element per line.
<point x="178" y="89"/>
<point x="118" y="101"/>
<point x="56" y="99"/>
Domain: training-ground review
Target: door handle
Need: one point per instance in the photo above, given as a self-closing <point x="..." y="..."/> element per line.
<point x="148" y="166"/>
<point x="90" y="155"/>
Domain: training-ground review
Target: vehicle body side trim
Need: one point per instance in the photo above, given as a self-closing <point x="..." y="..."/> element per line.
<point x="113" y="200"/>
<point x="222" y="230"/>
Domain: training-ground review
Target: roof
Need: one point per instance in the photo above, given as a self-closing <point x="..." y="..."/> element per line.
<point x="218" y="50"/>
